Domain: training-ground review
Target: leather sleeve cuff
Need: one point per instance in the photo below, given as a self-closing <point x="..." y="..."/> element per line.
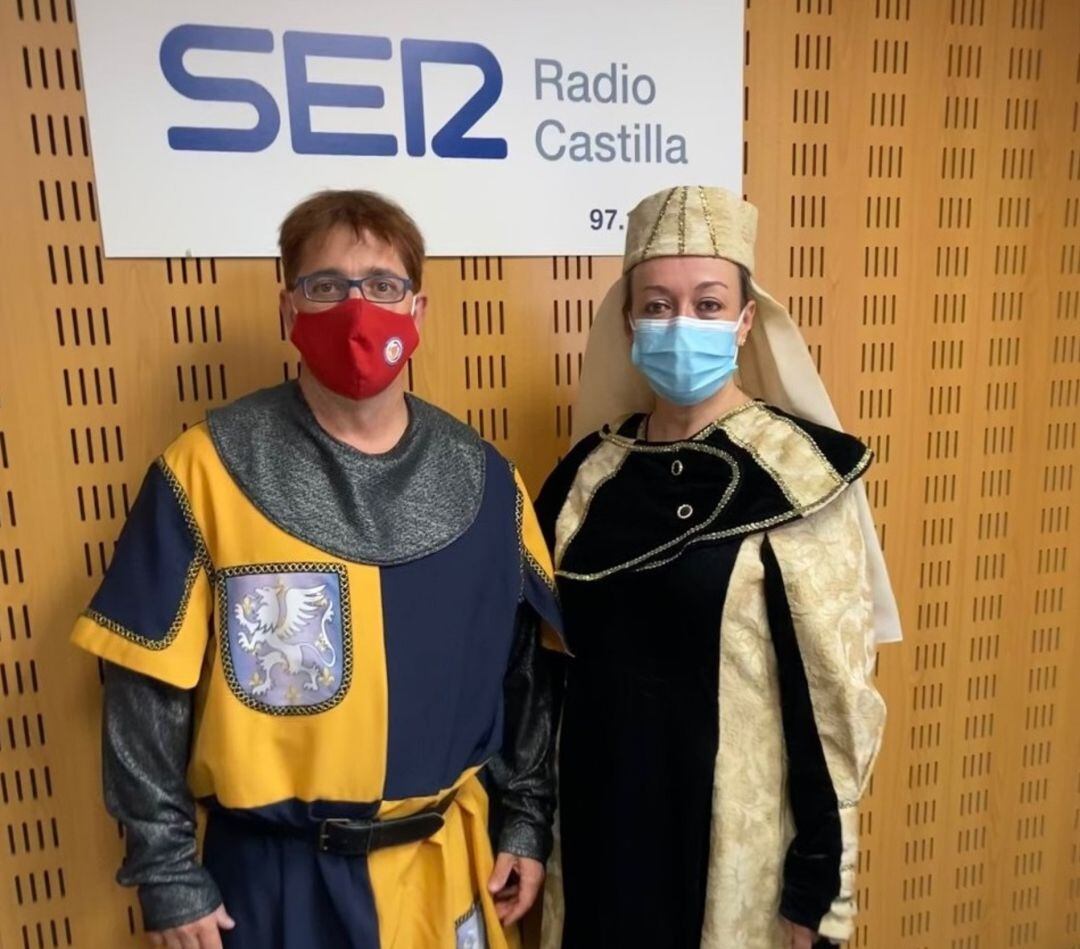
<point x="524" y="838"/>
<point x="176" y="903"/>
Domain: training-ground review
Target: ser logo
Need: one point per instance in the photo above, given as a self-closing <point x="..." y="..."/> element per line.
<point x="451" y="141"/>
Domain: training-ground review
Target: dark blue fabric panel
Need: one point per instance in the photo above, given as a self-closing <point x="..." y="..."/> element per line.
<point x="145" y="583"/>
<point x="284" y="894"/>
<point x="449" y="627"/>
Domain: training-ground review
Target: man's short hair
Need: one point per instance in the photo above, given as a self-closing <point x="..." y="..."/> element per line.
<point x="364" y="212"/>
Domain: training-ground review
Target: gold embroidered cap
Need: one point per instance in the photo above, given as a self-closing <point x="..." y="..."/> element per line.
<point x="691" y="221"/>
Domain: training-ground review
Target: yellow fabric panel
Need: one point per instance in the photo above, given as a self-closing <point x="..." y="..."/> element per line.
<point x="248" y="757"/>
<point x="178" y="663"/>
<point x="421" y="890"/>
<point x="214" y="497"/>
<point x="396" y="809"/>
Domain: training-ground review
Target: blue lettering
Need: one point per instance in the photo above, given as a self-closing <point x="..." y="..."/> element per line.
<point x="219" y="89"/>
<point x="304" y="94"/>
<point x="450" y="141"/>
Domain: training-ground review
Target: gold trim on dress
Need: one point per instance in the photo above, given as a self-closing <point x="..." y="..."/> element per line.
<point x="601" y="465"/>
<point x="786" y="434"/>
<point x="785" y="518"/>
<point x="790" y="456"/>
<point x="729" y="491"/>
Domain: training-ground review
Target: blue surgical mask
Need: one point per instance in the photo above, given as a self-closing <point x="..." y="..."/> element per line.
<point x="686" y="359"/>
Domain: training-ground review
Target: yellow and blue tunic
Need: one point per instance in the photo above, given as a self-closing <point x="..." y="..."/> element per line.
<point x="328" y="687"/>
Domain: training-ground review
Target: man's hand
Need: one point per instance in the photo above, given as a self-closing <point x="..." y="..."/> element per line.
<point x="201" y="934"/>
<point x="515" y="883"/>
<point x="799" y="937"/>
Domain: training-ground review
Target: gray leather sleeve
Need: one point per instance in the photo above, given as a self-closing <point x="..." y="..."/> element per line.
<point x="522" y="777"/>
<point x="146" y="739"/>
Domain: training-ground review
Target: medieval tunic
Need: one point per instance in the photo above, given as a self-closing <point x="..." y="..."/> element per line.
<point x="719" y="722"/>
<point x="360" y="635"/>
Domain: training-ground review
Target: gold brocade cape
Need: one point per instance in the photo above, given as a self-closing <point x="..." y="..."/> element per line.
<point x="780" y="488"/>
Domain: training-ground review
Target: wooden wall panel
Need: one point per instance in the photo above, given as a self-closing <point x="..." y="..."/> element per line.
<point x="917" y="167"/>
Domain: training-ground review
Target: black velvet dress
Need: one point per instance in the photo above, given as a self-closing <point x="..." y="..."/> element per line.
<point x="641" y="704"/>
<point x="643" y="582"/>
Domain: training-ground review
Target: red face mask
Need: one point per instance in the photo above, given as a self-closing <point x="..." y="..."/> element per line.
<point x="355" y="348"/>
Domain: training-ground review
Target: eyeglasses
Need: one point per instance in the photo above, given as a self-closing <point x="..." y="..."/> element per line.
<point x="332" y="288"/>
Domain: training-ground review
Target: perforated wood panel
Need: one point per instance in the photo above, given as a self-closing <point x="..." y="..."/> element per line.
<point x="917" y="166"/>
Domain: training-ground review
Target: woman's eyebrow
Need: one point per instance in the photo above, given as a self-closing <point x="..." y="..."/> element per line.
<point x="701" y="286"/>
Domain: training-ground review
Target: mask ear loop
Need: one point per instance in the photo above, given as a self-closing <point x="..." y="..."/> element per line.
<point x="412" y="309"/>
<point x="739" y="324"/>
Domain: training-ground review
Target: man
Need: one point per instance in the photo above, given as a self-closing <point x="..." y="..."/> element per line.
<point x="321" y="622"/>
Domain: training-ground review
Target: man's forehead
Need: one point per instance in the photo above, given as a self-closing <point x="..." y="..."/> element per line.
<point x="341" y="248"/>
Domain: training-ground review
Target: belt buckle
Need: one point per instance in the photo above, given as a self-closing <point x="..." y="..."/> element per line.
<point x="323" y="844"/>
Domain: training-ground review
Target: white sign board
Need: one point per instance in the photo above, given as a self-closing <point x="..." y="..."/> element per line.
<point x="504" y="128"/>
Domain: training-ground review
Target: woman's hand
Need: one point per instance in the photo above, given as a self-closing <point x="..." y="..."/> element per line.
<point x="515" y="883"/>
<point x="799" y="937"/>
<point x="201" y="934"/>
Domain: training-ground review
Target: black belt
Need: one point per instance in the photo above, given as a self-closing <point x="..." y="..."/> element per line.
<point x="354" y="838"/>
<point x="357" y="838"/>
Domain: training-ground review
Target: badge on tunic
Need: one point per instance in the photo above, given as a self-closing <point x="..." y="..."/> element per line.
<point x="470" y="930"/>
<point x="285" y="636"/>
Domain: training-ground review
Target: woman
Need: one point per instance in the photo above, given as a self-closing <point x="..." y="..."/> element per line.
<point x="722" y="590"/>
